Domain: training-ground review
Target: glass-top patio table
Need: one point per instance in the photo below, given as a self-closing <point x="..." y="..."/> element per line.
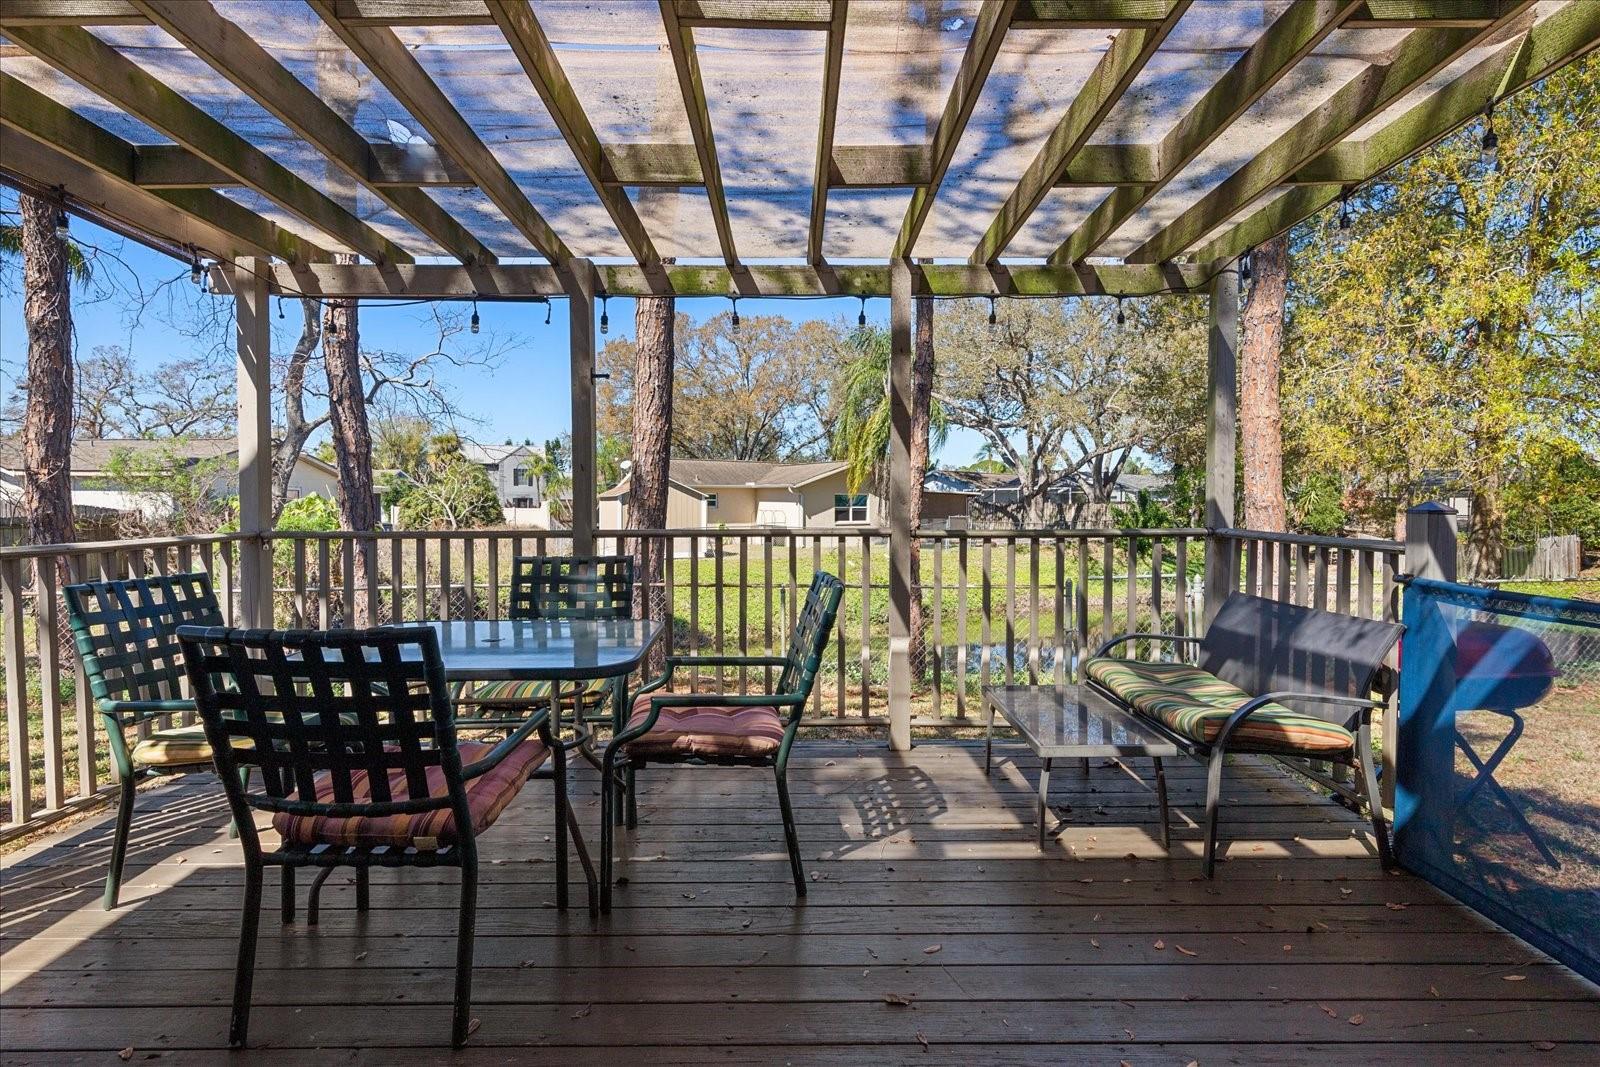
<point x="553" y="650"/>
<point x="1069" y="721"/>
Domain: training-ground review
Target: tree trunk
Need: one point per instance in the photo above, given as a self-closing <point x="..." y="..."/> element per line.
<point x="1486" y="547"/>
<point x="654" y="318"/>
<point x="297" y="429"/>
<point x="352" y="438"/>
<point x="921" y="407"/>
<point x="1260" y="410"/>
<point x="47" y="419"/>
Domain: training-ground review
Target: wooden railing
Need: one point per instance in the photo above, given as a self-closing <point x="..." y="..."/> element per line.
<point x="997" y="606"/>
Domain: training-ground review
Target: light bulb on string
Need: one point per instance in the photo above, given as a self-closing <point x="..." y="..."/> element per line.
<point x="547" y="312"/>
<point x="1244" y="265"/>
<point x="605" y="318"/>
<point x="735" y="301"/>
<point x="1122" y="318"/>
<point x="474" y="322"/>
<point x="861" y="319"/>
<point x="993" y="318"/>
<point x="1491" y="141"/>
<point x="63" y="224"/>
<point x="194" y="266"/>
<point x="1344" y="210"/>
<point x="333" y="323"/>
<point x="280" y="307"/>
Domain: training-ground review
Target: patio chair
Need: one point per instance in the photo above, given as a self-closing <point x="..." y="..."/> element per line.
<point x="557" y="587"/>
<point x="1268" y="678"/>
<point x="755" y="730"/>
<point x="359" y="767"/>
<point x="126" y="637"/>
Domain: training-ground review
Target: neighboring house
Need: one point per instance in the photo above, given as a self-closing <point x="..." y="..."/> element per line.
<point x="706" y="493"/>
<point x="507" y="467"/>
<point x="1066" y="502"/>
<point x="92" y="459"/>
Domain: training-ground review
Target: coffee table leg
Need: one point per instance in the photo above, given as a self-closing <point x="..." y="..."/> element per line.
<point x="1161" y="800"/>
<point x="1044" y="800"/>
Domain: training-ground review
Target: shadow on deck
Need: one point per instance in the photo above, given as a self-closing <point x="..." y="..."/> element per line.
<point x="925" y="887"/>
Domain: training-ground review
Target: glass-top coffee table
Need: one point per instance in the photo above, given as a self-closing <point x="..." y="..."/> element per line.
<point x="1073" y="722"/>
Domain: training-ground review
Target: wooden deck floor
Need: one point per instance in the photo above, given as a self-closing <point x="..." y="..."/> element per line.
<point x="925" y="886"/>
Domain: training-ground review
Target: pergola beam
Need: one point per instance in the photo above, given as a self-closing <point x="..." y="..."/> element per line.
<point x="100" y="168"/>
<point x="99" y="67"/>
<point x="532" y="49"/>
<point x="1422" y="54"/>
<point x="686" y="63"/>
<point x="1286" y="42"/>
<point x="393" y="64"/>
<point x="236" y="56"/>
<point x="993" y="21"/>
<point x="943" y="280"/>
<point x="1130" y="50"/>
<point x="1571" y="32"/>
<point x="170" y="166"/>
<point x="832" y="67"/>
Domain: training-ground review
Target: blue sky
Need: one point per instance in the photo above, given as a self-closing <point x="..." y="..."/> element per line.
<point x="527" y="397"/>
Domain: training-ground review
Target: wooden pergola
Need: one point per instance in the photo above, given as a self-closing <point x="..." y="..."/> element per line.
<point x="770" y="147"/>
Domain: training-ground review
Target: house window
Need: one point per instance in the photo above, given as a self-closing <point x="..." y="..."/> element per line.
<point x="849" y="508"/>
<point x="711" y="500"/>
<point x="521" y="476"/>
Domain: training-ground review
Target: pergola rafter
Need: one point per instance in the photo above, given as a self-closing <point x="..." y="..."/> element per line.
<point x="686" y="62"/>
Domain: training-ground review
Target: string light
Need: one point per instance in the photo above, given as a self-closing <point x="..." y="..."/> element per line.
<point x="194" y="266"/>
<point x="735" y="301"/>
<point x="1491" y="140"/>
<point x="861" y="319"/>
<point x="1244" y="265"/>
<point x="605" y="318"/>
<point x="1122" y="319"/>
<point x="333" y="324"/>
<point x="63" y="223"/>
<point x="547" y="312"/>
<point x="1344" y="209"/>
<point x="474" y="320"/>
<point x="993" y="318"/>
<point x="280" y="307"/>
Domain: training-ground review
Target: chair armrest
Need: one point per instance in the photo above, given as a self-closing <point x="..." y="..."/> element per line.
<point x="539" y="720"/>
<point x="1176" y="639"/>
<point x="144" y="709"/>
<point x="726" y="661"/>
<point x="1255" y="704"/>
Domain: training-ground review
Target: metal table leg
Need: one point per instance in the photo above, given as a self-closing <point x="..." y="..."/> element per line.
<point x="1044" y="800"/>
<point x="988" y="740"/>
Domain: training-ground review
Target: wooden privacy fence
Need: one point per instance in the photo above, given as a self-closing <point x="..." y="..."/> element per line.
<point x="996" y="606"/>
<point x="1547" y="559"/>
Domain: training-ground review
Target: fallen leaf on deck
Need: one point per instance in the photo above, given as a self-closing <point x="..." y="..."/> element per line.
<point x="1544" y="1046"/>
<point x="902" y="1000"/>
<point x="931" y="949"/>
<point x="1357" y="1020"/>
<point x="1128" y="1032"/>
<point x="1160" y="944"/>
<point x="1433" y="990"/>
<point x="583" y="1012"/>
<point x="360" y="956"/>
<point x="126" y="1054"/>
<point x="1392" y="906"/>
<point x="922" y="1037"/>
<point x="1329" y="1012"/>
<point x="1093" y="942"/>
<point x="472" y="1027"/>
<point x="1513" y="978"/>
<point x="1185" y="951"/>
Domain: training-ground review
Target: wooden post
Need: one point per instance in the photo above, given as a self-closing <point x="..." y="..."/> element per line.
<point x="1431" y="541"/>
<point x="1222" y="413"/>
<point x="254" y="369"/>
<point x="899" y="504"/>
<point x="580" y="281"/>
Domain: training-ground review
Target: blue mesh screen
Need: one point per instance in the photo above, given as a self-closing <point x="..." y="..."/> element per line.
<point x="1498" y="788"/>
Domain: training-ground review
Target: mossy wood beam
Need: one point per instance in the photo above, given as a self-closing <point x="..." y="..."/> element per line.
<point x="97" y="66"/>
<point x="1130" y="50"/>
<point x="1285" y="43"/>
<point x="832" y="67"/>
<point x="392" y="63"/>
<point x="229" y="229"/>
<point x="532" y="49"/>
<point x="953" y="280"/>
<point x="236" y="56"/>
<point x="686" y="63"/>
<point x="993" y="21"/>
<point x="1421" y="55"/>
<point x="1553" y="43"/>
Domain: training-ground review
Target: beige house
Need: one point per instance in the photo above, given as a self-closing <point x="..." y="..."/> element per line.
<point x="741" y="494"/>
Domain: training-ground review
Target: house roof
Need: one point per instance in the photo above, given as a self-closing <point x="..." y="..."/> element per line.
<point x="496" y="454"/>
<point x="92" y="455"/>
<point x="696" y="476"/>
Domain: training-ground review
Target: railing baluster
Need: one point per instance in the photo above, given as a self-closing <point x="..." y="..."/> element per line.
<point x="1108" y="554"/>
<point x="1080" y="607"/>
<point x="469" y="568"/>
<point x="717" y="606"/>
<point x="1285" y="570"/>
<point x="866" y="625"/>
<point x="744" y="613"/>
<point x="1011" y="610"/>
<point x="397" y="584"/>
<point x="44" y="615"/>
<point x="694" y="609"/>
<point x="1059" y="667"/>
<point x="324" y="581"/>
<point x="80" y="569"/>
<point x="1033" y="611"/>
<point x="1341" y="583"/>
<point x="16" y="659"/>
<point x="838" y="641"/>
<point x="422" y="577"/>
<point x="297" y="584"/>
<point x="933" y="646"/>
<point x="446" y="599"/>
<point x="816" y="565"/>
<point x="669" y="587"/>
<point x="1132" y="606"/>
<point x="494" y="578"/>
<point x="963" y="609"/>
<point x="985" y="638"/>
<point x="1157" y="623"/>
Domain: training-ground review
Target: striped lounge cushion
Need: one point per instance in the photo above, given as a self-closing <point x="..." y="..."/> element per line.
<point x="522" y="693"/>
<point x="487" y="796"/>
<point x="706" y="732"/>
<point x="1196" y="703"/>
<point x="183" y="746"/>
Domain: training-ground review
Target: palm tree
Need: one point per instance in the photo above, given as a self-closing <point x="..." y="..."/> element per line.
<point x="861" y="433"/>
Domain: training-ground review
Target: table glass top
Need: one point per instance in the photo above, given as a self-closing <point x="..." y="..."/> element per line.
<point x="543" y="648"/>
<point x="1075" y="721"/>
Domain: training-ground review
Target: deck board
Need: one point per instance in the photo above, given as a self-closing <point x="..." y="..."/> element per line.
<point x="1103" y="948"/>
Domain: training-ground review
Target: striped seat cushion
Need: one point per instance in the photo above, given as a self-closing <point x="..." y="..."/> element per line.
<point x="706" y="732"/>
<point x="182" y="746"/>
<point x="523" y="693"/>
<point x="1195" y="703"/>
<point x="487" y="796"/>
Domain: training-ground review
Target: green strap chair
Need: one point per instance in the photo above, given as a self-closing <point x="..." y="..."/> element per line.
<point x="727" y="729"/>
<point x="557" y="587"/>
<point x="126" y="637"/>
